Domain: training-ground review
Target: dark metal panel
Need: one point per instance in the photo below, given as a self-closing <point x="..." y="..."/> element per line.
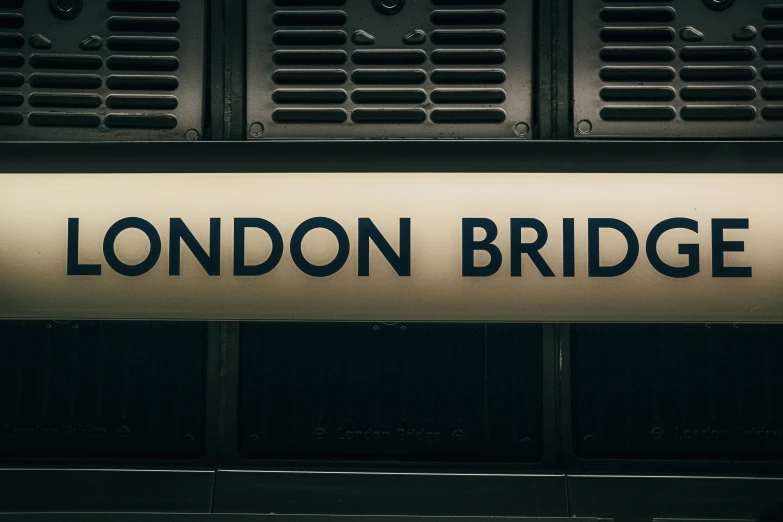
<point x="677" y="391"/>
<point x="404" y="391"/>
<point x="390" y="494"/>
<point x="426" y="61"/>
<point x="696" y="69"/>
<point x="105" y="491"/>
<point x="394" y="156"/>
<point x="112" y="71"/>
<point x="645" y="498"/>
<point x="82" y="389"/>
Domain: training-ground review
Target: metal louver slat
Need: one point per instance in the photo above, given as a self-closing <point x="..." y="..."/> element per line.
<point x="423" y="69"/>
<point x="102" y="70"/>
<point x="664" y="69"/>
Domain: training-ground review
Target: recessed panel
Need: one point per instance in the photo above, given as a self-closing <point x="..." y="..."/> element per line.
<point x="404" y="391"/>
<point x="680" y="391"/>
<point x="101" y="389"/>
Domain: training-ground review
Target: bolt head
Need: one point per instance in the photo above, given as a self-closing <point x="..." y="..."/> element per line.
<point x="66" y="9"/>
<point x="718" y="5"/>
<point x="388" y="7"/>
<point x="256" y="129"/>
<point x="522" y="129"/>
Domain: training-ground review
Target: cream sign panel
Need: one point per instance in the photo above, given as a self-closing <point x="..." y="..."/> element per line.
<point x="392" y="247"/>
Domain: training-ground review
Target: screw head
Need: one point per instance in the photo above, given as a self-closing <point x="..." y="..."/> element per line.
<point x="66" y="9"/>
<point x="718" y="5"/>
<point x="584" y="127"/>
<point x="388" y="7"/>
<point x="192" y="135"/>
<point x="522" y="129"/>
<point x="256" y="129"/>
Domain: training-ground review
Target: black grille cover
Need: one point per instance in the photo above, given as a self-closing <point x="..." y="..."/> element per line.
<point x="686" y="391"/>
<point x="411" y="391"/>
<point x="351" y="69"/>
<point x="113" y="70"/>
<point x="664" y="69"/>
<point x="101" y="389"/>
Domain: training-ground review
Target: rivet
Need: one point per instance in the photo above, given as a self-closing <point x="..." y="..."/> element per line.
<point x="192" y="135"/>
<point x="584" y="127"/>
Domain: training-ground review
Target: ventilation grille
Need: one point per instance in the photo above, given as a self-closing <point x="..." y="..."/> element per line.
<point x="436" y="69"/>
<point x="122" y="69"/>
<point x="678" y="69"/>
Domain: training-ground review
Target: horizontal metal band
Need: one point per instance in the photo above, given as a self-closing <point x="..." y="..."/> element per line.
<point x="394" y="156"/>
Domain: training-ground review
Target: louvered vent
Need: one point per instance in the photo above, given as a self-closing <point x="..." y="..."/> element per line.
<point x="666" y="69"/>
<point x="347" y="69"/>
<point x="118" y="70"/>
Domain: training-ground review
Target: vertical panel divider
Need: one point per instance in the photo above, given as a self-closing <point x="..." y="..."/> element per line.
<point x="544" y="69"/>
<point x="229" y="393"/>
<point x="550" y="379"/>
<point x="562" y="58"/>
<point x="212" y="395"/>
<point x="566" y="449"/>
<point x="215" y="54"/>
<point x="234" y="108"/>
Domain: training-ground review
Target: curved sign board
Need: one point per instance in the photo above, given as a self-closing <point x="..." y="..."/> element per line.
<point x="392" y="247"/>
